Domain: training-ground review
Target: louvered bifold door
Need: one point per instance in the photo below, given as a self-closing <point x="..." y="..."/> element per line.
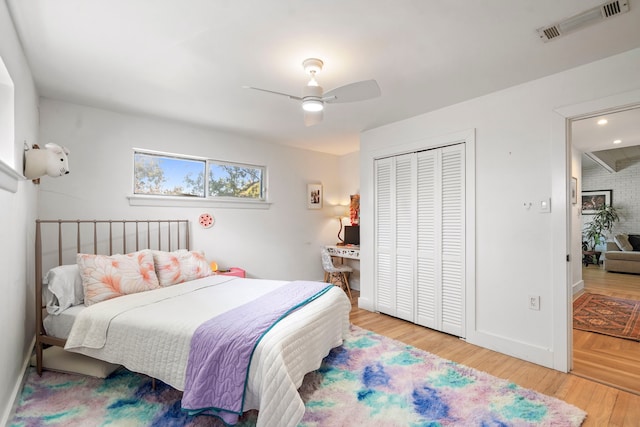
<point x="453" y="239"/>
<point x="420" y="237"/>
<point x="428" y="272"/>
<point x="384" y="237"/>
<point x="405" y="217"/>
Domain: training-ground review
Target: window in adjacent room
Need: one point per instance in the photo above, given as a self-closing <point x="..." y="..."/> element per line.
<point x="159" y="174"/>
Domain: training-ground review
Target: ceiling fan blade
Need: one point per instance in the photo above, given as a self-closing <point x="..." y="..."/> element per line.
<point x="297" y="98"/>
<point x="312" y="117"/>
<point x="358" y="91"/>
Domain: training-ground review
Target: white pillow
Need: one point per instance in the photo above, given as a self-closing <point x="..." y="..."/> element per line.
<point x="180" y="266"/>
<point x="64" y="284"/>
<point x="105" y="277"/>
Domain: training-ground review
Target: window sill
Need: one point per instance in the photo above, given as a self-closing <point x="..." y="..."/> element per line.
<point x="9" y="178"/>
<point x="138" y="200"/>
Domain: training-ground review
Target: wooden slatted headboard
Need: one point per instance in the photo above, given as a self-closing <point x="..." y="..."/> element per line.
<point x="58" y="241"/>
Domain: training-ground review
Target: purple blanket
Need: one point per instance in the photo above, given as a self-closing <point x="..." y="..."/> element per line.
<point x="222" y="347"/>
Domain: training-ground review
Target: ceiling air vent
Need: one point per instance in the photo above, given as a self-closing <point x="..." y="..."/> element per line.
<point x="581" y="20"/>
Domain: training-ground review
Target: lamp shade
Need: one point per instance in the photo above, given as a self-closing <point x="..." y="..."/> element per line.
<point x="340" y="211"/>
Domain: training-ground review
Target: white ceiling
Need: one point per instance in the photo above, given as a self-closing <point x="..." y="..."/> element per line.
<point x="187" y="59"/>
<point x="590" y="137"/>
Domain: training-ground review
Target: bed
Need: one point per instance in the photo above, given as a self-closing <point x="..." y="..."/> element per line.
<point x="151" y="332"/>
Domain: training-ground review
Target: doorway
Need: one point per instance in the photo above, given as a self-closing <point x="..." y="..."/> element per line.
<point x="606" y="359"/>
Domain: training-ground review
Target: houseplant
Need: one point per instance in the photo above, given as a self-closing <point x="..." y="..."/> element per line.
<point x="593" y="233"/>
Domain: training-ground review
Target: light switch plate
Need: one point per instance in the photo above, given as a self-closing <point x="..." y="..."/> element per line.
<point x="545" y="206"/>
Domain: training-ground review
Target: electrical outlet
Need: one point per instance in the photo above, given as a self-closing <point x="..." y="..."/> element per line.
<point x="534" y="302"/>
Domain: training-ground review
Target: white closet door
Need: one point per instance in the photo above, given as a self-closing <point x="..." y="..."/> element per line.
<point x="453" y="239"/>
<point x="405" y="218"/>
<point x="384" y="237"/>
<point x="428" y="271"/>
<point x="420" y="238"/>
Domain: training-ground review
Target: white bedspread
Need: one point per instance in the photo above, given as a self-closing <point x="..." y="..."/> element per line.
<point x="150" y="333"/>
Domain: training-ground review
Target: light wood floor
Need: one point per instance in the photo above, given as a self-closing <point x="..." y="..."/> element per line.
<point x="610" y="360"/>
<point x="606" y="406"/>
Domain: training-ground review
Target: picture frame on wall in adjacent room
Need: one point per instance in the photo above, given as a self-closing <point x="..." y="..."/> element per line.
<point x="314" y="196"/>
<point x="593" y="200"/>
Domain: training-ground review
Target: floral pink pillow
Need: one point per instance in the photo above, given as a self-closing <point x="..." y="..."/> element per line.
<point x="180" y="266"/>
<point x="106" y="277"/>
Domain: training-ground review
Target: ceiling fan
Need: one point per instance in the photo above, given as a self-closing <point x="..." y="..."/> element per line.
<point x="313" y="98"/>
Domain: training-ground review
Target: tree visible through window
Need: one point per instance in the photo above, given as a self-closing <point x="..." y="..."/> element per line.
<point x="227" y="180"/>
<point x="163" y="175"/>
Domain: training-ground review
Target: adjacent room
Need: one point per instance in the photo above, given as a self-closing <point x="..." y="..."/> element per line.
<point x="606" y="287"/>
<point x="319" y="213"/>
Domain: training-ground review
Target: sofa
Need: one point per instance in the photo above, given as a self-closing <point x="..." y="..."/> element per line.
<point x="623" y="254"/>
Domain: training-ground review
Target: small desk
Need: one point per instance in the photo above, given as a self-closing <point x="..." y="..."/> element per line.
<point x="351" y="252"/>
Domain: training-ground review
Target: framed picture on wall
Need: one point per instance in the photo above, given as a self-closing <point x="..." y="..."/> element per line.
<point x="314" y="196"/>
<point x="574" y="190"/>
<point x="593" y="200"/>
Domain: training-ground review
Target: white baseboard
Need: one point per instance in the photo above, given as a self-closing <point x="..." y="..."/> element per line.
<point x="12" y="404"/>
<point x="521" y="350"/>
<point x="578" y="287"/>
<point x="365" y="303"/>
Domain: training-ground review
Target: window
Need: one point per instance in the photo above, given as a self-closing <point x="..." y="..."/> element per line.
<point x="235" y="180"/>
<point x="161" y="175"/>
<point x="173" y="175"/>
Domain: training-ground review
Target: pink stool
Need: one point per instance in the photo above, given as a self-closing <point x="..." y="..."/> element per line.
<point x="233" y="271"/>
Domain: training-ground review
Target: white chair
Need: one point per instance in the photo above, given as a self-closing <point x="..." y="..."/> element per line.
<point x="330" y="271"/>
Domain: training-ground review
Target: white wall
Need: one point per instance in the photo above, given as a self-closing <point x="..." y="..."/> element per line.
<point x="349" y="165"/>
<point x="17" y="216"/>
<point x="278" y="243"/>
<point x="514" y="162"/>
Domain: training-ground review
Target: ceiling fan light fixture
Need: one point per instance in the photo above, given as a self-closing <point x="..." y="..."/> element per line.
<point x="313" y="81"/>
<point x="313" y="97"/>
<point x="312" y="65"/>
<point x="312" y="105"/>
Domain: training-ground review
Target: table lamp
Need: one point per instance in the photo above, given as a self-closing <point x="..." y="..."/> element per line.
<point x="340" y="212"/>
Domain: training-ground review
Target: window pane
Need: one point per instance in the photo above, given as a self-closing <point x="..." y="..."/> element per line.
<point x="168" y="176"/>
<point x="228" y="180"/>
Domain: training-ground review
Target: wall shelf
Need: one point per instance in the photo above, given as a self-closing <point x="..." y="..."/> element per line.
<point x="9" y="178"/>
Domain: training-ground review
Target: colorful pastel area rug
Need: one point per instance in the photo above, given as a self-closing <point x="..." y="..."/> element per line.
<point x="369" y="381"/>
<point x="607" y="315"/>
